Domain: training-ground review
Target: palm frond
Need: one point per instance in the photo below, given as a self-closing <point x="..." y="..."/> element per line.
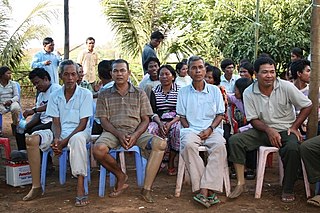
<point x="13" y="45"/>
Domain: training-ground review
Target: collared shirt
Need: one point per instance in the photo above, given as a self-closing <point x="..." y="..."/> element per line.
<point x="277" y="110"/>
<point x="123" y="112"/>
<point x="39" y="60"/>
<point x="148" y="51"/>
<point x="43" y="98"/>
<point x="229" y="85"/>
<point x="89" y="61"/>
<point x="183" y="81"/>
<point x="79" y="106"/>
<point x="9" y="92"/>
<point x="200" y="108"/>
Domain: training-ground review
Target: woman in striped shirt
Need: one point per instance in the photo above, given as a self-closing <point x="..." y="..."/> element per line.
<point x="165" y="122"/>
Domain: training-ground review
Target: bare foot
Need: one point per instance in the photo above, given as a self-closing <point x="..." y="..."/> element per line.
<point x="33" y="193"/>
<point x="238" y="191"/>
<point x="121" y="182"/>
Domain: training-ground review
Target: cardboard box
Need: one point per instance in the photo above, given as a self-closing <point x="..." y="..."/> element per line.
<point x="18" y="174"/>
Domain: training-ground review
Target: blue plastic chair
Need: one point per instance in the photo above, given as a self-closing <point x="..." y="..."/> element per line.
<point x="140" y="168"/>
<point x="63" y="168"/>
<point x="19" y="94"/>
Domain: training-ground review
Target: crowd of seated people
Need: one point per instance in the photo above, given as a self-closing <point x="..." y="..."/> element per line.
<point x="174" y="112"/>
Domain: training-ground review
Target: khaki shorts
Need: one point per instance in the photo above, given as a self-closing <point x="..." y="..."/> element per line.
<point x="112" y="142"/>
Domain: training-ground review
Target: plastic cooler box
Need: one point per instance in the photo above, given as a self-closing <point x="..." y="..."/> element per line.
<point x="18" y="174"/>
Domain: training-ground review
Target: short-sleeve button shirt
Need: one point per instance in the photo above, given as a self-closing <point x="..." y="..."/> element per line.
<point x="123" y="112"/>
<point x="200" y="108"/>
<point x="70" y="113"/>
<point x="277" y="110"/>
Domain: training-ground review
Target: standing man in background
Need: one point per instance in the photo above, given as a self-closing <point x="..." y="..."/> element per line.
<point x="88" y="58"/>
<point x="149" y="49"/>
<point x="48" y="59"/>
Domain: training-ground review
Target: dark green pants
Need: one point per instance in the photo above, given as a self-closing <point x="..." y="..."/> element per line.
<point x="310" y="154"/>
<point x="250" y="140"/>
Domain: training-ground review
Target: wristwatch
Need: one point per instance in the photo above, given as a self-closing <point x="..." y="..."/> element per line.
<point x="211" y="128"/>
<point x="34" y="109"/>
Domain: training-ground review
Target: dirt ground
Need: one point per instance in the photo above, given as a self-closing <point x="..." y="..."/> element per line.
<point x="58" y="198"/>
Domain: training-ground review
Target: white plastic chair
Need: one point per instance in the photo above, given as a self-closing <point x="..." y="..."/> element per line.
<point x="182" y="172"/>
<point x="263" y="152"/>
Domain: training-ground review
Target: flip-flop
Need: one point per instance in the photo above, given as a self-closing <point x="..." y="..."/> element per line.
<point x="213" y="199"/>
<point x="314" y="201"/>
<point x="288" y="197"/>
<point x="203" y="200"/>
<point x="81" y="201"/>
<point x="117" y="193"/>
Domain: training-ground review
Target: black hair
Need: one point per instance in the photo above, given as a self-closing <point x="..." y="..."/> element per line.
<point x="90" y="38"/>
<point x="47" y="40"/>
<point x="248" y="66"/>
<point x="216" y="74"/>
<point x="105" y="68"/>
<point x="297" y="51"/>
<point x="39" y="72"/>
<point x="157" y="35"/>
<point x="120" y="61"/>
<point x="170" y="68"/>
<point x="298" y="66"/>
<point x="3" y="70"/>
<point x="244" y="60"/>
<point x="145" y="65"/>
<point x="263" y="60"/>
<point x="242" y="84"/>
<point x="226" y="62"/>
<point x="179" y="66"/>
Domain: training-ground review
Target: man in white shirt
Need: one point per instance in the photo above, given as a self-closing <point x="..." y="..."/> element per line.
<point x="70" y="108"/>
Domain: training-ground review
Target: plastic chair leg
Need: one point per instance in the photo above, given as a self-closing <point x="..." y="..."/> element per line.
<point x="102" y="181"/>
<point x="63" y="167"/>
<point x="6" y="144"/>
<point x="181" y="169"/>
<point x="260" y="172"/>
<point x="139" y="169"/>
<point x="44" y="170"/>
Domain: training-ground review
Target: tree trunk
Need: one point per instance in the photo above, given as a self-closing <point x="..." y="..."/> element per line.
<point x="66" y="29"/>
<point x="315" y="67"/>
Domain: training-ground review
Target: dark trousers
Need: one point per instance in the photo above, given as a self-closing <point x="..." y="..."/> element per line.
<point x="310" y="154"/>
<point x="250" y="140"/>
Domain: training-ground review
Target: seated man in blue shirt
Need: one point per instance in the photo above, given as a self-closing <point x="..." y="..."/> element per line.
<point x="201" y="108"/>
<point x="70" y="108"/>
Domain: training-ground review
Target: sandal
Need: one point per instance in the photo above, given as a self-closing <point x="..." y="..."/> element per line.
<point x="213" y="199"/>
<point x="203" y="200"/>
<point x="314" y="201"/>
<point x="81" y="201"/>
<point x="287" y="197"/>
<point x="172" y="172"/>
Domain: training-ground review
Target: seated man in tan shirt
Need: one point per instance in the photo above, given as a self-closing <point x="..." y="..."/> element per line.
<point x="124" y="112"/>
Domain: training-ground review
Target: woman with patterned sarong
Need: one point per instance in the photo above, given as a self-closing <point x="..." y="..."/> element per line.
<point x="165" y="122"/>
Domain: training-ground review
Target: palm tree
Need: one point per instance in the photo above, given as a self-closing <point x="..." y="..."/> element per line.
<point x="66" y="29"/>
<point x="133" y="21"/>
<point x="13" y="45"/>
<point x="315" y="62"/>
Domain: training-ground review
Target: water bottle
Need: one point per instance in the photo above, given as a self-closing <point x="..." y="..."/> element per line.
<point x="22" y="126"/>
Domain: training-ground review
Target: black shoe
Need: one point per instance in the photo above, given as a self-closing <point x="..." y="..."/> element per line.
<point x="250" y="174"/>
<point x="233" y="174"/>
